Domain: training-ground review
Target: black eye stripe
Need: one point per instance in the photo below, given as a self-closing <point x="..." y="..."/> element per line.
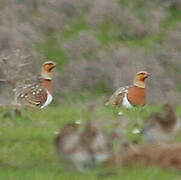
<point x="49" y="64"/>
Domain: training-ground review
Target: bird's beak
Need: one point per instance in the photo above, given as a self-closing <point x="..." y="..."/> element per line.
<point x="53" y="66"/>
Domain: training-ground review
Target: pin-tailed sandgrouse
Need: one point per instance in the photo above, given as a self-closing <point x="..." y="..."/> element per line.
<point x="39" y="94"/>
<point x="129" y="96"/>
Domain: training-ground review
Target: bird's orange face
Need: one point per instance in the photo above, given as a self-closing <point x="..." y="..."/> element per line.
<point x="48" y="66"/>
<point x="142" y="75"/>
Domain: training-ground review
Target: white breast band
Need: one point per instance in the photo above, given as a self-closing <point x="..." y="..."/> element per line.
<point x="48" y="101"/>
<point x="126" y="103"/>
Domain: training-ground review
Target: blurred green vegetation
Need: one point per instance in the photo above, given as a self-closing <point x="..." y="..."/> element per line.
<point x="110" y="32"/>
<point x="27" y="145"/>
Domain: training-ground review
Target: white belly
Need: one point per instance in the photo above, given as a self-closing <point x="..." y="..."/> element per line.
<point x="48" y="101"/>
<point x="125" y="102"/>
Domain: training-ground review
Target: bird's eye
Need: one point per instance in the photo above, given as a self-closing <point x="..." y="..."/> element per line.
<point x="49" y="64"/>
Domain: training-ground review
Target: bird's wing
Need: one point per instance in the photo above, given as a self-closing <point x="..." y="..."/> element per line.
<point x="117" y="98"/>
<point x="31" y="95"/>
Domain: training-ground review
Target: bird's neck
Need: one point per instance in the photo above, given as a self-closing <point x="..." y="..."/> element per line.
<point x="47" y="83"/>
<point x="139" y="83"/>
<point x="46" y="74"/>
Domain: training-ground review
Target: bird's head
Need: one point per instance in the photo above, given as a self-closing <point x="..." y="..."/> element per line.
<point x="46" y="69"/>
<point x="48" y="66"/>
<point x="140" y="78"/>
<point x="142" y="75"/>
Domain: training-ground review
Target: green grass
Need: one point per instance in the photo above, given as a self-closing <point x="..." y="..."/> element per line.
<point x="27" y="151"/>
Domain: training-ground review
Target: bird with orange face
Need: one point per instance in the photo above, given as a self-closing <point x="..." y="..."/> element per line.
<point x="38" y="94"/>
<point x="129" y="96"/>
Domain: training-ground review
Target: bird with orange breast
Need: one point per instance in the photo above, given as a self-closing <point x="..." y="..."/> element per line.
<point x="129" y="96"/>
<point x="40" y="93"/>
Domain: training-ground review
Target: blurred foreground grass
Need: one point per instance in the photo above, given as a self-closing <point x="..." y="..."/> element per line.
<point x="27" y="151"/>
